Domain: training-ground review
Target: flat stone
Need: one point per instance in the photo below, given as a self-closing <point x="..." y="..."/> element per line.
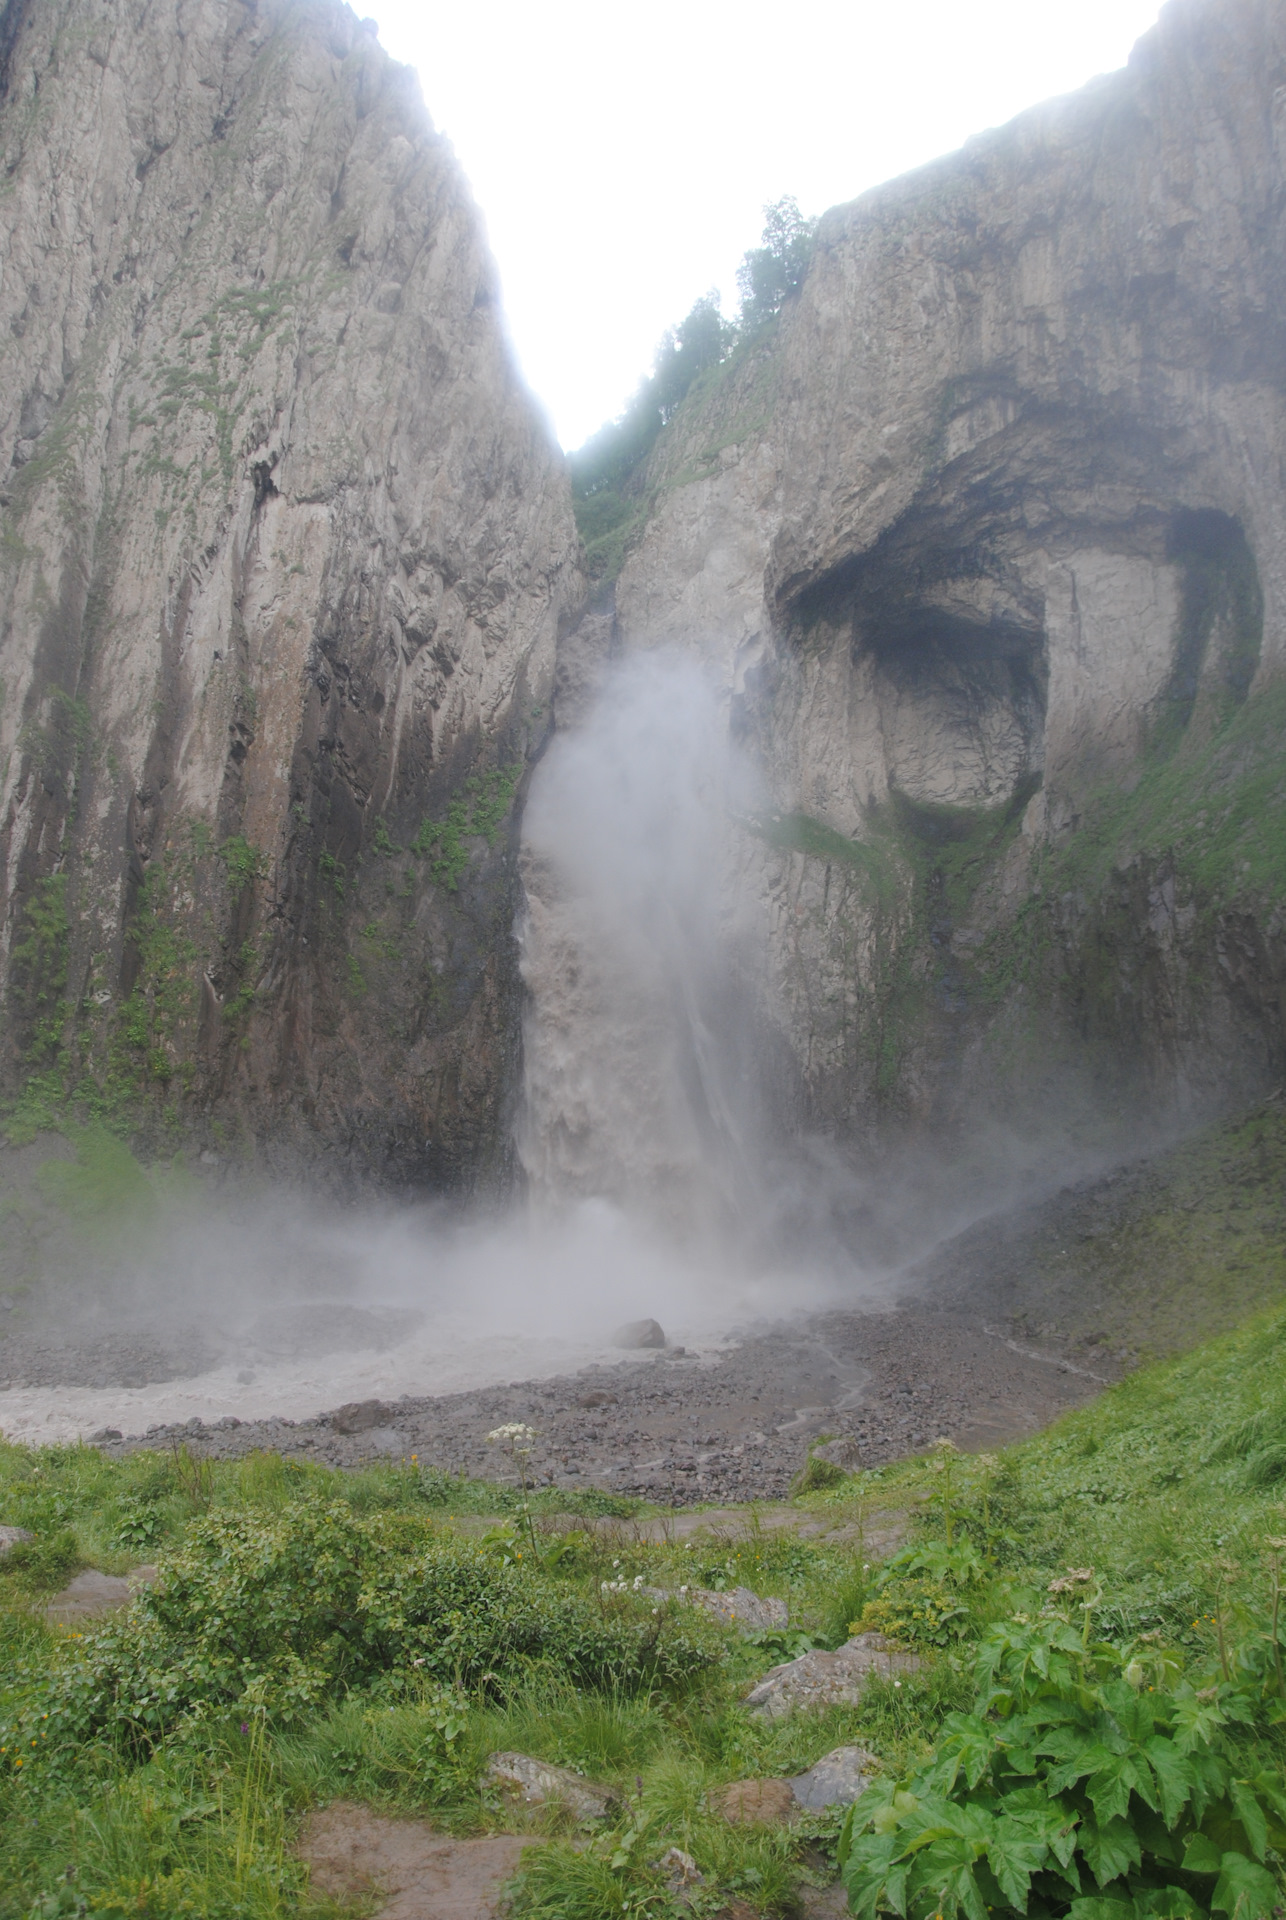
<point x="12" y="1537"/>
<point x="538" y="1784"/>
<point x="836" y="1780"/>
<point x="639" y="1333"/>
<point x="91" y="1595"/>
<point x="820" y="1679"/>
<point x="756" y="1803"/>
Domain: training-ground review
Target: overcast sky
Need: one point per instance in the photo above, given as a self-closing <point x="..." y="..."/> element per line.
<point x="622" y="154"/>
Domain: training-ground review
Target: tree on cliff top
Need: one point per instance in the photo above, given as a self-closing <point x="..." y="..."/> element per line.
<point x="775" y="269"/>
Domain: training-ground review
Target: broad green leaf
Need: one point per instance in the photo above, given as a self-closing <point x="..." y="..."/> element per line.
<point x="1200" y="1856"/>
<point x="1109" y="1788"/>
<point x="1096" y="1907"/>
<point x="1014" y="1857"/>
<point x="1110" y="1846"/>
<point x="1244" y="1890"/>
<point x="966" y="1746"/>
<point x="1174" y="1775"/>
<point x="946" y="1870"/>
<point x="895" y="1887"/>
<point x="1172" y="1903"/>
<point x="1251" y="1815"/>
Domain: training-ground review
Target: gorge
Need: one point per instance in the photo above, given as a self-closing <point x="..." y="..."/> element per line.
<point x="893" y="825"/>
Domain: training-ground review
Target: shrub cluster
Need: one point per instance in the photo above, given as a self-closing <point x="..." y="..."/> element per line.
<point x="284" y="1611"/>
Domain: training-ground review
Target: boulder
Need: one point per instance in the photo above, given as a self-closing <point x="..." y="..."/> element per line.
<point x="637" y="1334"/>
<point x="360" y="1416"/>
<point x="835" y="1780"/>
<point x="741" y="1607"/>
<point x="843" y="1453"/>
<point x="11" y="1537"/>
<point x="820" y="1679"/>
<point x="756" y="1803"/>
<point x="538" y="1784"/>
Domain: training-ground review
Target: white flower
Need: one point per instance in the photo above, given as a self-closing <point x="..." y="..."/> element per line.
<point x="638" y="1581"/>
<point x="515" y="1431"/>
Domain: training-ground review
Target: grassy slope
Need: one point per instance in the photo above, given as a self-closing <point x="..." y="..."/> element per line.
<point x="1164" y="1485"/>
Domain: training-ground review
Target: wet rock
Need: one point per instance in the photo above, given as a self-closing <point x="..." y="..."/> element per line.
<point x="91" y="1595"/>
<point x="537" y="1784"/>
<point x="836" y="1780"/>
<point x="820" y="1679"/>
<point x="843" y="1453"/>
<point x="11" y="1537"/>
<point x="104" y="1433"/>
<point x="756" y="1803"/>
<point x="638" y="1334"/>
<point x="360" y="1416"/>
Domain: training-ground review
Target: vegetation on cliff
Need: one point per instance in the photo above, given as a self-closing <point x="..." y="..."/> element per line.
<point x="607" y="472"/>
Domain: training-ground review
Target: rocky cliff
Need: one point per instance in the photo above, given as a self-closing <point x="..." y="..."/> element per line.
<point x="285" y="549"/>
<point x="987" y="546"/>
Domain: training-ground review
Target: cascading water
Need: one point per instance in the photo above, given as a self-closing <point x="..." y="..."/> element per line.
<point x="642" y="952"/>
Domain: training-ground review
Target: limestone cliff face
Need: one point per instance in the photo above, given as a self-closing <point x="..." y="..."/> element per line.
<point x="285" y="549"/>
<point x="988" y="548"/>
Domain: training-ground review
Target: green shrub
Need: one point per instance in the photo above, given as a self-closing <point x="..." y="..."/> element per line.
<point x="284" y="1610"/>
<point x="1086" y="1781"/>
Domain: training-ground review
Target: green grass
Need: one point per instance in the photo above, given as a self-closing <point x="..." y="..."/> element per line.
<point x="1169" y="1486"/>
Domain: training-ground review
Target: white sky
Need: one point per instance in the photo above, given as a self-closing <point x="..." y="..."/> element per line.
<point x="622" y="154"/>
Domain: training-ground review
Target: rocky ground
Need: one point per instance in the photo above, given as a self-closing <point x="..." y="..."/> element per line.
<point x="680" y="1429"/>
<point x="1003" y="1328"/>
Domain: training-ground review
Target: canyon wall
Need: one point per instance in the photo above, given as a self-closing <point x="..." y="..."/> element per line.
<point x="986" y="546"/>
<point x="285" y="548"/>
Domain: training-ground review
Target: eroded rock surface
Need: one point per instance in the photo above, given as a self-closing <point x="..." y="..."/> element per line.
<point x="993" y="528"/>
<point x="285" y="547"/>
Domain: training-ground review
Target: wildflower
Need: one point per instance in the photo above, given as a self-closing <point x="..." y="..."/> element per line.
<point x="516" y="1432"/>
<point x="245" y="1726"/>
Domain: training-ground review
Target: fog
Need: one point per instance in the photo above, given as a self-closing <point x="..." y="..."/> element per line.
<point x="666" y="1173"/>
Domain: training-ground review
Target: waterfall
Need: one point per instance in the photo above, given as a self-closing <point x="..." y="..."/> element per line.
<point x="642" y="953"/>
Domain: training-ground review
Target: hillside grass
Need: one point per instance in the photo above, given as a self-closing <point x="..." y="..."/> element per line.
<point x="160" y="1765"/>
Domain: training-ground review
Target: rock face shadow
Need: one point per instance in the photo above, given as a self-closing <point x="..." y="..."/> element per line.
<point x="415" y="1873"/>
